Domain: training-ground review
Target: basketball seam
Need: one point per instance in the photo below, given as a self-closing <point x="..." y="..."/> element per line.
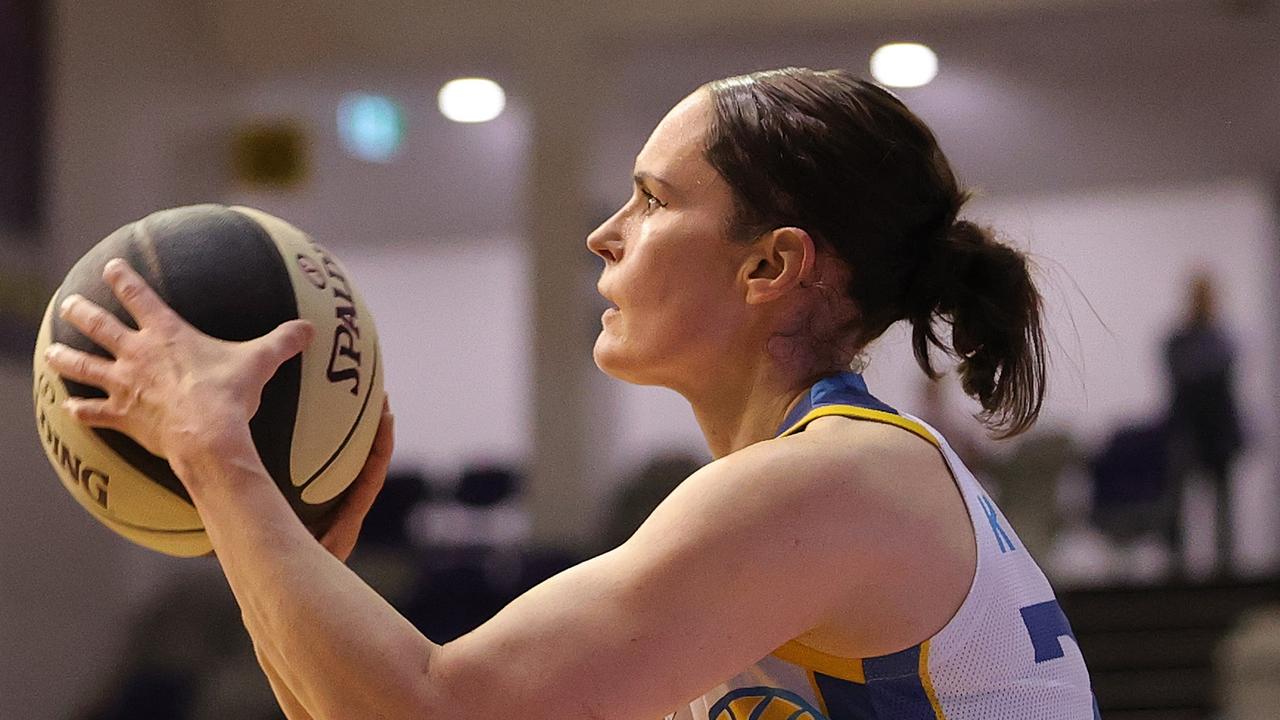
<point x="148" y="248"/>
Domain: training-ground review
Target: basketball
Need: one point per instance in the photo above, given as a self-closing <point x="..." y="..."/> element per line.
<point x="234" y="273"/>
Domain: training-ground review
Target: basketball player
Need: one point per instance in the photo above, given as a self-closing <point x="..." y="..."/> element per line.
<point x="835" y="560"/>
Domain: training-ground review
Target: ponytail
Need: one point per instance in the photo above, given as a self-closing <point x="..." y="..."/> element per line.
<point x="983" y="289"/>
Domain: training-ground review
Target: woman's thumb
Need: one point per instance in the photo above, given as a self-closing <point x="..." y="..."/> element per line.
<point x="287" y="340"/>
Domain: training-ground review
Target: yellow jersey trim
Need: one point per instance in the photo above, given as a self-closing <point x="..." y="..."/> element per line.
<point x="861" y="413"/>
<point x="806" y="657"/>
<point x="926" y="681"/>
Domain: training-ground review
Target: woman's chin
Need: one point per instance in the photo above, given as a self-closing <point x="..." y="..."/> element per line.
<point x="615" y="363"/>
<point x="606" y="358"/>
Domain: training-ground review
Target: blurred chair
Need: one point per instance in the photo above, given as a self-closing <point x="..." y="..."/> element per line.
<point x="1134" y="496"/>
<point x="641" y="493"/>
<point x="1028" y="479"/>
<point x="386" y="556"/>
<point x="486" y="486"/>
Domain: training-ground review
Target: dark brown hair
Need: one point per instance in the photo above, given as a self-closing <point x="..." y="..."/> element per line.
<point x="846" y="161"/>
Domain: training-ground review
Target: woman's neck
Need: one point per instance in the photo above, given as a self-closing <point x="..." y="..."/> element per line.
<point x="737" y="410"/>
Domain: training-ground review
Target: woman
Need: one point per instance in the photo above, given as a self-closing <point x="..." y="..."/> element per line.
<point x="834" y="560"/>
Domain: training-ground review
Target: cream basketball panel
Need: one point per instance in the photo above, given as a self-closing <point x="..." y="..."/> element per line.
<point x="179" y="543"/>
<point x="341" y="393"/>
<point x="96" y="476"/>
<point x="343" y="466"/>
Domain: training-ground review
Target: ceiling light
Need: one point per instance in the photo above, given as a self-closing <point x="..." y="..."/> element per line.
<point x="471" y="100"/>
<point x="904" y="65"/>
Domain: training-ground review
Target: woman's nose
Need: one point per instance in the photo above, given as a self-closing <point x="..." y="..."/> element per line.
<point x="606" y="242"/>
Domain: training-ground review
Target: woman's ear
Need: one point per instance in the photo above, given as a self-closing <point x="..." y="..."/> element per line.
<point x="780" y="260"/>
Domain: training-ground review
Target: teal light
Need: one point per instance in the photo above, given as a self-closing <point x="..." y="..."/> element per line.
<point x="371" y="126"/>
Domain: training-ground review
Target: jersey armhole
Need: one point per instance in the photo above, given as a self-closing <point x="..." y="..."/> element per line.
<point x="797" y="653"/>
<point x="812" y="659"/>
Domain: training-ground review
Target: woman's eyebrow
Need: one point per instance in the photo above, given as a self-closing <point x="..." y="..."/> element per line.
<point x="642" y="177"/>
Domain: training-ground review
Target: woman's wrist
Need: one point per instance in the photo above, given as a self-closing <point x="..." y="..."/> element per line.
<point x="224" y="459"/>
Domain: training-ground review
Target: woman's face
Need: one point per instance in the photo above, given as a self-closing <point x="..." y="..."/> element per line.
<point x="671" y="272"/>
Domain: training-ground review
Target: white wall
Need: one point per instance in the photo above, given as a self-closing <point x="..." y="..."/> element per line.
<point x="454" y="327"/>
<point x="430" y="239"/>
<point x="1128" y="253"/>
<point x="449" y="181"/>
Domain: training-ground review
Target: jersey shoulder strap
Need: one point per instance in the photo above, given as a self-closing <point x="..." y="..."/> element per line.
<point x="846" y="395"/>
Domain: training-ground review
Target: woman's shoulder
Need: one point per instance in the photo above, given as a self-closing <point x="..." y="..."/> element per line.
<point x="906" y="524"/>
<point x="840" y="451"/>
<point x="856" y="480"/>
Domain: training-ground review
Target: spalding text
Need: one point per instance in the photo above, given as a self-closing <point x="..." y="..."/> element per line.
<point x="344" y="353"/>
<point x="92" y="481"/>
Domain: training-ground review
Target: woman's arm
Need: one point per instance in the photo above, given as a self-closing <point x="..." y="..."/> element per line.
<point x="288" y="702"/>
<point x="747" y="554"/>
<point x="335" y="644"/>
<point x="706" y="587"/>
<point x="340" y="540"/>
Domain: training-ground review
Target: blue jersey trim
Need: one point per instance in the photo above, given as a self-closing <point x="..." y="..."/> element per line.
<point x="846" y="388"/>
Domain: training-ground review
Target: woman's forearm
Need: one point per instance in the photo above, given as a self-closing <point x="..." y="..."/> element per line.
<point x="336" y="646"/>
<point x="288" y="702"/>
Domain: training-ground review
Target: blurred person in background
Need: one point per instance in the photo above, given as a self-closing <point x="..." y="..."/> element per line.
<point x="835" y="559"/>
<point x="1203" y="421"/>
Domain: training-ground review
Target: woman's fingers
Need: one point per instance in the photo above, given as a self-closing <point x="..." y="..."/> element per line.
<point x="97" y="324"/>
<point x="80" y="366"/>
<point x="94" y="412"/>
<point x="135" y="294"/>
<point x="371" y="477"/>
<point x="341" y="536"/>
<point x="367" y="485"/>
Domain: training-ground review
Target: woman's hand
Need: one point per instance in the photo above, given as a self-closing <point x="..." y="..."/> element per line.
<point x="340" y="538"/>
<point x="173" y="389"/>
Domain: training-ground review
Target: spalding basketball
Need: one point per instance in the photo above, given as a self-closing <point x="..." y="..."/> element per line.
<point x="235" y="273"/>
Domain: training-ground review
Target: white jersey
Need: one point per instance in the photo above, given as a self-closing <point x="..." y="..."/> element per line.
<point x="1007" y="654"/>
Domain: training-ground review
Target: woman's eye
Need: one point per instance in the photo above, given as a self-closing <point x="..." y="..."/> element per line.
<point x="651" y="203"/>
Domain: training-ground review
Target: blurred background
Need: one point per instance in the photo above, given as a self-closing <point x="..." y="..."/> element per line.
<point x="1129" y="146"/>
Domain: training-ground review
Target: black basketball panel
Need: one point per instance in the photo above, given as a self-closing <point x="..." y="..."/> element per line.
<point x="85" y="279"/>
<point x="227" y="278"/>
<point x="219" y="270"/>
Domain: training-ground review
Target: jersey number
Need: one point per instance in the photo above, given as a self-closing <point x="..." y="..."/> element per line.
<point x="1046" y="624"/>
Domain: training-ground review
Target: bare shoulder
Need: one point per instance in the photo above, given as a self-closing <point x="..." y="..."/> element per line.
<point x="870" y="464"/>
<point x="859" y="494"/>
<point x="902" y="551"/>
<point x="881" y="458"/>
<point x="818" y="504"/>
